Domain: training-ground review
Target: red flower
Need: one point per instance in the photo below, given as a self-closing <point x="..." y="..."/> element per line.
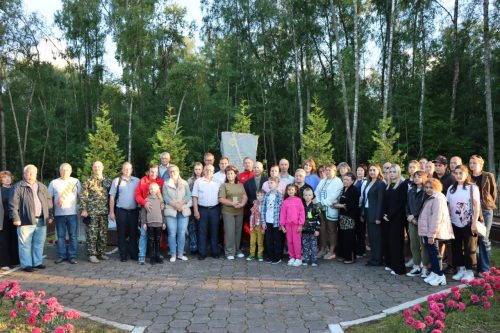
<point x="439" y="324"/>
<point x="487" y="305"/>
<point x="36" y="330"/>
<point x="32" y="320"/>
<point x="417" y="308"/>
<point x="456" y="295"/>
<point x="418" y="325"/>
<point x="452" y="304"/>
<point x="13" y="314"/>
<point x="436" y="331"/>
<point x="490" y="293"/>
<point x="41" y="294"/>
<point x="474" y="298"/>
<point x="46" y="318"/>
<point x="455" y="289"/>
<point x="441" y="315"/>
<point x="407" y="313"/>
<point x="69" y="327"/>
<point x="429" y="320"/>
<point x="461" y="306"/>
<point x="410" y="321"/>
<point x="60" y="329"/>
<point x="20" y="305"/>
<point x="69" y="314"/>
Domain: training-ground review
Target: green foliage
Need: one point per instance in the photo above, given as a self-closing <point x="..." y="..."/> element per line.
<point x="168" y="138"/>
<point x="242" y="120"/>
<point x="317" y="138"/>
<point x="385" y="136"/>
<point x="103" y="146"/>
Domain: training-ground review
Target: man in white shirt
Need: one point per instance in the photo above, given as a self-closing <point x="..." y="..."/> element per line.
<point x="64" y="192"/>
<point x="220" y="176"/>
<point x="207" y="212"/>
<point x="284" y="175"/>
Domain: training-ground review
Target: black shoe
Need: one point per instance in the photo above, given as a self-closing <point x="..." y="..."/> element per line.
<point x="275" y="262"/>
<point x="28" y="269"/>
<point x="123" y="259"/>
<point x="216" y="257"/>
<point x="200" y="257"/>
<point x="152" y="261"/>
<point x="73" y="261"/>
<point x="60" y="260"/>
<point x="42" y="266"/>
<point x="371" y="264"/>
<point x="159" y="260"/>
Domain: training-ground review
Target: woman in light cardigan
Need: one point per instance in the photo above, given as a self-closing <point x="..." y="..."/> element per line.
<point x="434" y="226"/>
<point x="177" y="197"/>
<point x="328" y="193"/>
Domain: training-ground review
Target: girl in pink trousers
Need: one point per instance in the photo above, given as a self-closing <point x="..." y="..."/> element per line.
<point x="292" y="217"/>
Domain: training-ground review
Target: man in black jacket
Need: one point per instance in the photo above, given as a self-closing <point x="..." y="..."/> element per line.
<point x="30" y="210"/>
<point x="442" y="173"/>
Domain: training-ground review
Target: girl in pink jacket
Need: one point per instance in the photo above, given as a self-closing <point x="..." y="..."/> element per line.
<point x="434" y="226"/>
<point x="292" y="217"/>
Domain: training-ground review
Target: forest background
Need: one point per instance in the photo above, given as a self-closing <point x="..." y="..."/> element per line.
<point x="435" y="81"/>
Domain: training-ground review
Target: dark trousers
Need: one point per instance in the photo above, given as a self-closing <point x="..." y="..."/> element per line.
<point x="360" y="232"/>
<point x="154" y="238"/>
<point x="273" y="242"/>
<point x="434" y="255"/>
<point x="309" y="248"/>
<point x="126" y="226"/>
<point x="347" y="244"/>
<point x="385" y="228"/>
<point x="396" y="245"/>
<point x="375" y="239"/>
<point x="209" y="222"/>
<point x="464" y="247"/>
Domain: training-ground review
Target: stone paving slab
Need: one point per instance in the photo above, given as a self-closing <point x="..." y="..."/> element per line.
<point x="219" y="295"/>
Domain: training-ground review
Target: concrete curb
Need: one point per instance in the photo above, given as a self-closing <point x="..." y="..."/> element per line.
<point x="339" y="328"/>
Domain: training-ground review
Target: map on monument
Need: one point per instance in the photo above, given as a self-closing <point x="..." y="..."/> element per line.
<point x="237" y="146"/>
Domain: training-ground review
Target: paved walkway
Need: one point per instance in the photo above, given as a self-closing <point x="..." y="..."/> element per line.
<point x="224" y="296"/>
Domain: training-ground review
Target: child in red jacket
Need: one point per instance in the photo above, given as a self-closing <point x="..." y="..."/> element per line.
<point x="292" y="217"/>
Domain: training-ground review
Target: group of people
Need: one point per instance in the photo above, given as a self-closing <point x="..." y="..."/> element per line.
<point x="316" y="214"/>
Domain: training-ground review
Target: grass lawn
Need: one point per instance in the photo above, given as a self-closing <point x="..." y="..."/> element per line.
<point x="474" y="320"/>
<point x="83" y="325"/>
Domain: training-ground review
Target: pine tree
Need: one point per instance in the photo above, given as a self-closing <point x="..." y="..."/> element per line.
<point x="242" y="120"/>
<point x="168" y="139"/>
<point x="103" y="146"/>
<point x="316" y="138"/>
<point x="385" y="136"/>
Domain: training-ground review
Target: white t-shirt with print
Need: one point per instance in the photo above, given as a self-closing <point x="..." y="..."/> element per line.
<point x="460" y="204"/>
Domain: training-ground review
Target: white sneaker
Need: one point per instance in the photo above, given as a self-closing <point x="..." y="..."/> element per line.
<point x="230" y="257"/>
<point x="430" y="277"/>
<point x="240" y="255"/>
<point x="469" y="275"/>
<point x="415" y="271"/>
<point x="291" y="262"/>
<point x="183" y="258"/>
<point x="94" y="260"/>
<point x="425" y="273"/>
<point x="460" y="274"/>
<point x="297" y="263"/>
<point x="304" y="263"/>
<point x="438" y="281"/>
<point x="409" y="263"/>
<point x="387" y="268"/>
<point x="172" y="259"/>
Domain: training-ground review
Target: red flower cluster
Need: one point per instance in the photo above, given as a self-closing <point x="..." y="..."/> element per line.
<point x="37" y="311"/>
<point x="440" y="305"/>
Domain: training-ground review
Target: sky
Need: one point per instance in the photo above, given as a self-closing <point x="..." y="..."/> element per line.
<point x="49" y="49"/>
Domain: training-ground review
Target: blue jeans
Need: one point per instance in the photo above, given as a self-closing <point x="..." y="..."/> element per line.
<point x="434" y="255"/>
<point x="31" y="241"/>
<point x="69" y="223"/>
<point x="209" y="221"/>
<point x="177" y="226"/>
<point x="143" y="243"/>
<point x="484" y="245"/>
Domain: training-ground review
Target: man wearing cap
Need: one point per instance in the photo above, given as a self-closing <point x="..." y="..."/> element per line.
<point x="442" y="173"/>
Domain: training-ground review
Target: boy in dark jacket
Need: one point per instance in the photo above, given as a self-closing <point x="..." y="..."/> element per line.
<point x="310" y="230"/>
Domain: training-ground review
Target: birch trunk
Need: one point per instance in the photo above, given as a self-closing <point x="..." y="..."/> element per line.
<point x="299" y="89"/>
<point x="422" y="87"/>
<point x="356" y="88"/>
<point x="129" y="157"/>
<point x="2" y="123"/>
<point x="389" y="62"/>
<point x="487" y="86"/>
<point x="179" y="113"/>
<point x="342" y="77"/>
<point x="456" y="63"/>
<point x="16" y="126"/>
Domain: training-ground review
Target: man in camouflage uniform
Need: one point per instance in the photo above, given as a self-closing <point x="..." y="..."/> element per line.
<point x="94" y="204"/>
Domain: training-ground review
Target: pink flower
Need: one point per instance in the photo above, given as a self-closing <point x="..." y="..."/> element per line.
<point x="32" y="320"/>
<point x="461" y="306"/>
<point x="441" y="315"/>
<point x="455" y="289"/>
<point x="69" y="314"/>
<point x="76" y="314"/>
<point x="456" y="295"/>
<point x="434" y="306"/>
<point x="36" y="330"/>
<point x="439" y="324"/>
<point x="487" y="305"/>
<point x="34" y="312"/>
<point x="20" y="305"/>
<point x="41" y="294"/>
<point x="464" y="281"/>
<point x="13" y="314"/>
<point x="410" y="321"/>
<point x="53" y="314"/>
<point x="429" y="320"/>
<point x="418" y="325"/>
<point x="490" y="293"/>
<point x="417" y="308"/>
<point x="46" y="318"/>
<point x="60" y="329"/>
<point x="452" y="304"/>
<point x="435" y="331"/>
<point x="407" y="313"/>
<point x="433" y="313"/>
<point x="496" y="286"/>
<point x="69" y="327"/>
<point x="29" y="306"/>
<point x="474" y="298"/>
